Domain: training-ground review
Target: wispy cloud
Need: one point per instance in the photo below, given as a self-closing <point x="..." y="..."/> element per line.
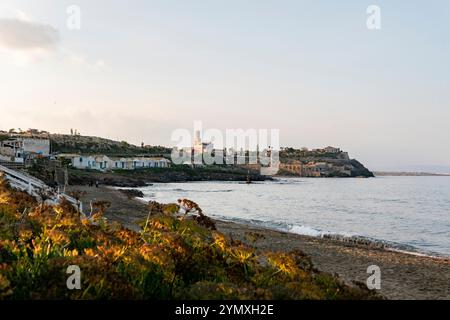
<point x="27" y="41"/>
<point x="24" y="35"/>
<point x="81" y="60"/>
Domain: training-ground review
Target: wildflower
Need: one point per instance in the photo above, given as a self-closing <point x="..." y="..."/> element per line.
<point x="70" y="253"/>
<point x="284" y="263"/>
<point x="58" y="237"/>
<point x="3" y="199"/>
<point x="220" y="241"/>
<point x="58" y="210"/>
<point x="90" y="252"/>
<point x="242" y="254"/>
<point x="37" y="247"/>
<point x="25" y="235"/>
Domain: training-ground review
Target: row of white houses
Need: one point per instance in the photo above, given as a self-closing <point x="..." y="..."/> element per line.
<point x="104" y="163"/>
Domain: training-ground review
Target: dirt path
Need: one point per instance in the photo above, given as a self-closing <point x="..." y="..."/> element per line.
<point x="403" y="276"/>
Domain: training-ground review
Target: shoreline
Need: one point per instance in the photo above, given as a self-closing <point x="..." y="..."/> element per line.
<point x="404" y="275"/>
<point x="371" y="243"/>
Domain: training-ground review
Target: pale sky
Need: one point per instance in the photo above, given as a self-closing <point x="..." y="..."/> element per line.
<point x="138" y="70"/>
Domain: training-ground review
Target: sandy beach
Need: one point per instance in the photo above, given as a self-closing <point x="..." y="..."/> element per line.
<point x="403" y="275"/>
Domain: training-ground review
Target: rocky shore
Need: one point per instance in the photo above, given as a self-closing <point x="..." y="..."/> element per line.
<point x="403" y="275"/>
<point x="140" y="178"/>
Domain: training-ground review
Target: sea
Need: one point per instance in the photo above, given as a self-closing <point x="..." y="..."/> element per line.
<point x="409" y="214"/>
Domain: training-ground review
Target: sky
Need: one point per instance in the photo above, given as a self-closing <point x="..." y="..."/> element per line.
<point x="138" y="70"/>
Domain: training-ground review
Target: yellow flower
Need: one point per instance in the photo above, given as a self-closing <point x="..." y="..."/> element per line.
<point x="242" y="254"/>
<point x="58" y="237"/>
<point x="284" y="264"/>
<point x="90" y="252"/>
<point x="220" y="241"/>
<point x="4" y="198"/>
<point x="25" y="235"/>
<point x="70" y="253"/>
<point x="59" y="210"/>
<point x="37" y="247"/>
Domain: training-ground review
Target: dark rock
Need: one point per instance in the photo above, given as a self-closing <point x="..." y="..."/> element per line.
<point x="132" y="193"/>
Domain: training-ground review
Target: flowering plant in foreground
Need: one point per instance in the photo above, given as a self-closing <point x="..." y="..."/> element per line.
<point x="172" y="257"/>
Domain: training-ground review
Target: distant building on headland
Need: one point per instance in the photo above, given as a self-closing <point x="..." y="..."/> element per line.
<point x="203" y="153"/>
<point x="325" y="162"/>
<point x="199" y="146"/>
<point x="327" y="150"/>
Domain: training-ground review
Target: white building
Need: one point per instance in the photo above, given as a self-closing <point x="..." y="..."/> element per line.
<point x="104" y="163"/>
<point x="134" y="163"/>
<point x="331" y="150"/>
<point x="89" y="162"/>
<point x="18" y="149"/>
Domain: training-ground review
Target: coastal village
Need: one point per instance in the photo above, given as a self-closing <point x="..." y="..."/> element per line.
<point x="20" y="150"/>
<point x="23" y="149"/>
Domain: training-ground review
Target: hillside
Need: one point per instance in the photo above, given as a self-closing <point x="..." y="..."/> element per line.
<point x="74" y="143"/>
<point x="95" y="145"/>
<point x="328" y="162"/>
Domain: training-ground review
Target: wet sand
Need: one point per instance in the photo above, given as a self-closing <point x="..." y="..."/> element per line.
<point x="403" y="276"/>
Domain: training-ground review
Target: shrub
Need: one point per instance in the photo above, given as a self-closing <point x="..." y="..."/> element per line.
<point x="172" y="257"/>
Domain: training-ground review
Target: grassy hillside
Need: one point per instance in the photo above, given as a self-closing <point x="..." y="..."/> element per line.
<point x="96" y="145"/>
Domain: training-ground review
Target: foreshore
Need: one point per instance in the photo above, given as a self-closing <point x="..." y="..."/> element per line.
<point x="403" y="275"/>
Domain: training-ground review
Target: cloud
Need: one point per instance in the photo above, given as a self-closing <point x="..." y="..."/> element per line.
<point x="24" y="35"/>
<point x="27" y="41"/>
<point x="21" y="15"/>
<point x="81" y="60"/>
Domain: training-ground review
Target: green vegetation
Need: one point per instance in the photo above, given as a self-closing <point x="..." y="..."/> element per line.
<point x="172" y="257"/>
<point x="307" y="155"/>
<point x="94" y="145"/>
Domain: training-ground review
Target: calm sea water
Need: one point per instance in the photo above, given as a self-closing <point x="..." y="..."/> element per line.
<point x="410" y="213"/>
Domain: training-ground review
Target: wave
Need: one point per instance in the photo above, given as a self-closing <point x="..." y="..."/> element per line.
<point x="343" y="237"/>
<point x="289" y="181"/>
<point x="307" y="231"/>
<point x="362" y="240"/>
<point x="187" y="190"/>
